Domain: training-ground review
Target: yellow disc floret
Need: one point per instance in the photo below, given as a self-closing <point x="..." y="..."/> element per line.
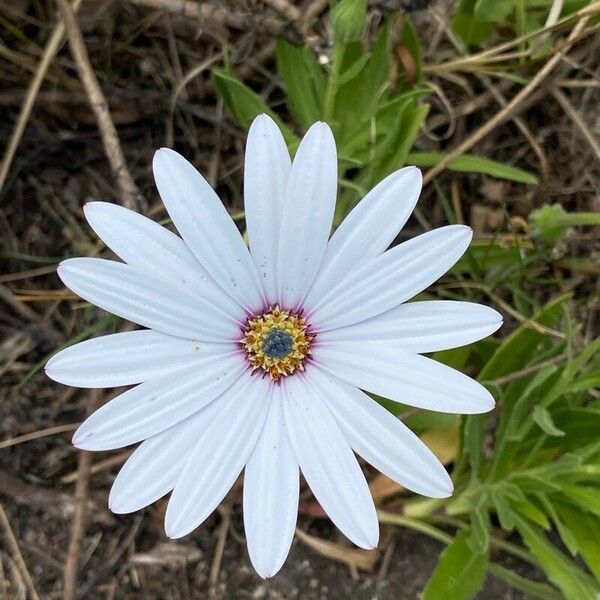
<point x="277" y="342"/>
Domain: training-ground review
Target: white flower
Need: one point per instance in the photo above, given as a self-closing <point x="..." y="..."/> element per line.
<point x="255" y="360"/>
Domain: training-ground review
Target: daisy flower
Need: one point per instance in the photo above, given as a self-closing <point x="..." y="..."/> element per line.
<point x="260" y="360"/>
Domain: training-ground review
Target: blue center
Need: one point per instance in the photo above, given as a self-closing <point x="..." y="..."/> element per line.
<point x="277" y="343"/>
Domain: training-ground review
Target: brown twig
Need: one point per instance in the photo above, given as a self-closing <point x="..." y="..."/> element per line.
<point x="99" y="467"/>
<point x="27" y="313"/>
<point x="497" y="93"/>
<point x="79" y="517"/>
<point x="215" y="568"/>
<point x="523" y="128"/>
<point x="50" y="51"/>
<point x="224" y="17"/>
<point x="557" y="360"/>
<point x="17" y="556"/>
<point x="562" y="99"/>
<point x="511" y="107"/>
<point x="33" y="496"/>
<point x="112" y="146"/>
<point x="34" y="435"/>
<point x="285" y="9"/>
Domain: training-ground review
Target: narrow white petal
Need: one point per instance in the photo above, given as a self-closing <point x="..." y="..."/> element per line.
<point x="147" y="299"/>
<point x="126" y="358"/>
<point x="308" y="207"/>
<point x="368" y="230"/>
<point x="271" y="489"/>
<point x="153" y="469"/>
<point x="158" y="404"/>
<point x="204" y="224"/>
<point x="233" y="424"/>
<point x="412" y="379"/>
<point x="267" y="165"/>
<point x="382" y="439"/>
<point x="423" y="326"/>
<point x="391" y="278"/>
<point x="144" y="244"/>
<point x="328" y="463"/>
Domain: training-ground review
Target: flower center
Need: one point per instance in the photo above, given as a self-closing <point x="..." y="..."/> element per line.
<point x="278" y="342"/>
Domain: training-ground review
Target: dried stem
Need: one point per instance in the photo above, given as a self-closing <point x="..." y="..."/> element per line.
<point x="112" y="146"/>
<point x="222" y="16"/>
<point x="79" y="517"/>
<point x="50" y="51"/>
<point x="511" y="107"/>
<point x="18" y="557"/>
<point x="562" y="99"/>
<point x="285" y="9"/>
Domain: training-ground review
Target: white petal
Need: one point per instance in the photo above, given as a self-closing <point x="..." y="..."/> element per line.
<point x="391" y="278"/>
<point x="233" y="424"/>
<point x="412" y="379"/>
<point x="328" y="463"/>
<point x="204" y="224"/>
<point x="368" y="230"/>
<point x="147" y="299"/>
<point x="423" y="326"/>
<point x="382" y="439"/>
<point x="271" y="489"/>
<point x="144" y="244"/>
<point x="267" y="165"/>
<point x="126" y="358"/>
<point x="308" y="208"/>
<point x="153" y="469"/>
<point x="157" y="404"/>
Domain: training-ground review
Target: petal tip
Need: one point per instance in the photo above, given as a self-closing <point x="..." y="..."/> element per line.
<point x="50" y="371"/>
<point x="266" y="572"/>
<point x="321" y="128"/>
<point x="466" y="230"/>
<point x="173" y="533"/>
<point x="119" y="504"/>
<point x="263" y="119"/>
<point x="94" y="204"/>
<point x="447" y="488"/>
<point x="82" y="439"/>
<point x="162" y="155"/>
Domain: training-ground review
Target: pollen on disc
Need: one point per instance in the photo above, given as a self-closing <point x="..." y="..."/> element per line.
<point x="277" y="342"/>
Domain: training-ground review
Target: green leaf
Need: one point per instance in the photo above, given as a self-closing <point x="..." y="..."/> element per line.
<point x="551" y="222"/>
<point x="586" y="498"/>
<point x="304" y="82"/>
<point x="543" y="418"/>
<point x="573" y="582"/>
<point x="535" y="589"/>
<point x="349" y="18"/>
<point x="586" y="383"/>
<point x="506" y="515"/>
<point x="392" y="152"/>
<point x="471" y="31"/>
<point x="469" y="163"/>
<point x="564" y="532"/>
<point x="530" y="511"/>
<point x="479" y="540"/>
<point x="244" y="104"/>
<point x="493" y="10"/>
<point x="586" y="531"/>
<point x="353" y="70"/>
<point x="517" y="348"/>
<point x="514" y="352"/>
<point x="459" y="574"/>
